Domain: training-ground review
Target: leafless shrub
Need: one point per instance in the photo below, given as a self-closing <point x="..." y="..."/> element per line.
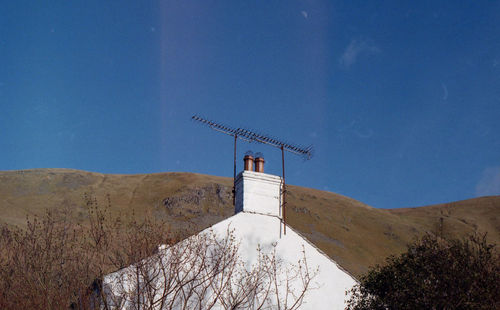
<point x="206" y="272"/>
<point x="42" y="267"/>
<point x="52" y="264"/>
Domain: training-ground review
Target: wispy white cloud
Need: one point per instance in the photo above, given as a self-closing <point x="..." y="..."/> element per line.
<point x="355" y="49"/>
<point x="445" y="91"/>
<point x="66" y="135"/>
<point x="364" y="134"/>
<point x="304" y="13"/>
<point x="356" y="129"/>
<point x="489" y="184"/>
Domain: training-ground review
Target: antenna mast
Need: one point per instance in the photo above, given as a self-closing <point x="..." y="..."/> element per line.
<point x="251" y="136"/>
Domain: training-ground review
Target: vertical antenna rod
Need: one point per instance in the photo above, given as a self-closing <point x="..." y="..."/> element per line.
<point x="283" y="189"/>
<point x="251" y="136"/>
<point x="234" y="171"/>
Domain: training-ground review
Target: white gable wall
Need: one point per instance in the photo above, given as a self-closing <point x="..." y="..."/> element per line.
<point x="252" y="231"/>
<point x="255" y="230"/>
<point x="258" y="224"/>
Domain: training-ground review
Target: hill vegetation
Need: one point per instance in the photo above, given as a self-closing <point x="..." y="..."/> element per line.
<point x="354" y="234"/>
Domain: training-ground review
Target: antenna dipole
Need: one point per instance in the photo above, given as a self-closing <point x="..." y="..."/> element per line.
<point x="251" y="136"/>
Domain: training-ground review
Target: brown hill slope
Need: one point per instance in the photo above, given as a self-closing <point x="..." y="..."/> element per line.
<point x="354" y="234"/>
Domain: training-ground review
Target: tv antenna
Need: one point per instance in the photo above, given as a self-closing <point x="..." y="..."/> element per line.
<point x="251" y="136"/>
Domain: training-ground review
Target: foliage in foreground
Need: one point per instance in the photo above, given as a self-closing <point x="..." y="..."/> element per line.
<point x="52" y="264"/>
<point x="434" y="274"/>
<point x="206" y="272"/>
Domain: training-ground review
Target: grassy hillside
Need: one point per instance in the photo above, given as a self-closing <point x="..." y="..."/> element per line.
<point x="354" y="234"/>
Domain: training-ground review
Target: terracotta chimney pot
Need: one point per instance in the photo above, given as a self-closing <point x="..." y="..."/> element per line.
<point x="259" y="164"/>
<point x="248" y="160"/>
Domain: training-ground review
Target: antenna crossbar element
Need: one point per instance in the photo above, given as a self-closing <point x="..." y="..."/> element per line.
<point x="251" y="136"/>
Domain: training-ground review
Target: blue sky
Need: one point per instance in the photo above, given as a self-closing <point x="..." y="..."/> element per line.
<point x="401" y="100"/>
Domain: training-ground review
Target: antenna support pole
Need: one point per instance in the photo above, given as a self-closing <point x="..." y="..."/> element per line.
<point x="284" y="189"/>
<point x="234" y="171"/>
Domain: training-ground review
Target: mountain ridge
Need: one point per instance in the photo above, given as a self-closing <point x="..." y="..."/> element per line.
<point x="352" y="233"/>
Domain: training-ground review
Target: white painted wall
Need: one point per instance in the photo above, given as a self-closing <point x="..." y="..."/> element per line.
<point x="255" y="230"/>
<point x="257" y="224"/>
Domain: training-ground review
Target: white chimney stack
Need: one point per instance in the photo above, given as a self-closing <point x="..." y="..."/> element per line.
<point x="258" y="192"/>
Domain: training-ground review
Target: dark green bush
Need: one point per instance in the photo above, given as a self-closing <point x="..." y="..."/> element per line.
<point x="434" y="274"/>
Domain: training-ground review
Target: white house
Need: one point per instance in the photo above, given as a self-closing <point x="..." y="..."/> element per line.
<point x="291" y="272"/>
